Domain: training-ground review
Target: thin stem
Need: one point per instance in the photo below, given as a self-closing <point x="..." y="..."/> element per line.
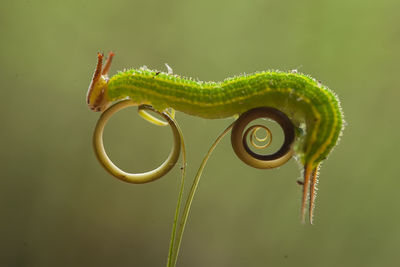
<point x="178" y="204"/>
<point x="190" y="197"/>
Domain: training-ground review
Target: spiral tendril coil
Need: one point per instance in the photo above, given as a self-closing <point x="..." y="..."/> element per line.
<point x="251" y="132"/>
<point x="240" y="135"/>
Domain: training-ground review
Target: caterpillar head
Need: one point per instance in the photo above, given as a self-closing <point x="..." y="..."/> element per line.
<point x="97" y="93"/>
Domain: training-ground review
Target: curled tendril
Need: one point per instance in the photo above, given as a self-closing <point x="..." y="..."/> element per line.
<point x="239" y="144"/>
<point x="136" y="178"/>
<point x="239" y="140"/>
<point x="253" y="135"/>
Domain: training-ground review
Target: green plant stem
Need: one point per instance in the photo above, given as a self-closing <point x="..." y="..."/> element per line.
<point x="179" y="202"/>
<point x="178" y="239"/>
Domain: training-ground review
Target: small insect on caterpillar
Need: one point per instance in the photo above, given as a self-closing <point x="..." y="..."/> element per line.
<point x="308" y="112"/>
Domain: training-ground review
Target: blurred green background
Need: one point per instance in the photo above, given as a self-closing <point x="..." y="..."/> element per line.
<point x="60" y="208"/>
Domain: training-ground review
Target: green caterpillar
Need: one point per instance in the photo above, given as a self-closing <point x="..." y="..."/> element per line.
<point x="313" y="109"/>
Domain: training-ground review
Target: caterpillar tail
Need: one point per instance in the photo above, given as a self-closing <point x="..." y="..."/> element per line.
<point x="309" y="191"/>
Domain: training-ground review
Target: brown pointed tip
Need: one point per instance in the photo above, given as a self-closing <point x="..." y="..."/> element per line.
<point x="306" y="186"/>
<point x="313" y="185"/>
<point x="311" y="217"/>
<point x="96" y="75"/>
<point x="97" y="72"/>
<point x="107" y="65"/>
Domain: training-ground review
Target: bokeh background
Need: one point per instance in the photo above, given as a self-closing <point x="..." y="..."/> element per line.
<point x="60" y="208"/>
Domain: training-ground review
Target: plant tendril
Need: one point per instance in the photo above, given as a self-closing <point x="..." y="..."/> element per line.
<point x="239" y="141"/>
<point x="136" y="178"/>
<point x="239" y="137"/>
<point x="191" y="194"/>
<point x="253" y="135"/>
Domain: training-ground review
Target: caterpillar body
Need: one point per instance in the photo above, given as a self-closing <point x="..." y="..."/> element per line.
<point x="313" y="108"/>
